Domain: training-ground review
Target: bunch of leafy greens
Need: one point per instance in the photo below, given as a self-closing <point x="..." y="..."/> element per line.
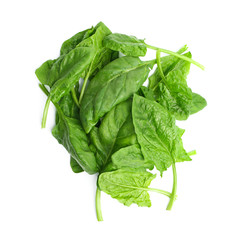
<point x="112" y="125"/>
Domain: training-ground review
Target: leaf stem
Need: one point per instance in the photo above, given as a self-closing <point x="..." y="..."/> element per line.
<point x="45" y="113"/>
<point x="174" y="190"/>
<point x="168" y="194"/>
<point x="176" y="55"/>
<point x="193" y="152"/>
<point x="85" y="82"/>
<point x="98" y="205"/>
<point x="158" y="60"/>
<point x="75" y="97"/>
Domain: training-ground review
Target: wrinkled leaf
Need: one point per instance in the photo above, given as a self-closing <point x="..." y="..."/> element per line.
<point x="156" y="132"/>
<point x="128" y="45"/>
<point x="147" y="93"/>
<point x="173" y="92"/>
<point x="131" y="157"/>
<point x="127" y="187"/>
<point x="113" y="84"/>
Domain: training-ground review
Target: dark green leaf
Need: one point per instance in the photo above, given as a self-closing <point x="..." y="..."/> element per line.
<point x="157" y="133"/>
<point x="75" y="166"/>
<point x="128" y="45"/>
<point x="116" y="130"/>
<point x="72" y="42"/>
<point x="127" y="187"/>
<point x="61" y="75"/>
<point x="71" y="135"/>
<point x="113" y="84"/>
<point x="198" y="103"/>
<point x="131" y="157"/>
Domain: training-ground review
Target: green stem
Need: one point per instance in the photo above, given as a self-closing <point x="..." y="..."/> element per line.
<point x="85" y="82"/>
<point x="158" y="60"/>
<point x="174" y="191"/>
<point x="168" y="194"/>
<point x="74" y="97"/>
<point x="46" y="92"/>
<point x="193" y="152"/>
<point x="45" y="113"/>
<point x="176" y="55"/>
<point x="98" y="205"/>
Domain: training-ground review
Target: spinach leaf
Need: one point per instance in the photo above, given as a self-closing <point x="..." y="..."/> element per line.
<point x="131" y="158"/>
<point x="173" y="93"/>
<point x="115" y="131"/>
<point x="62" y="74"/>
<point x="72" y="42"/>
<point x="147" y="93"/>
<point x="157" y="133"/>
<point x="128" y="45"/>
<point x="198" y="103"/>
<point x="75" y="166"/>
<point x="167" y="64"/>
<point x="71" y="135"/>
<point x="127" y="187"/>
<point x="113" y="84"/>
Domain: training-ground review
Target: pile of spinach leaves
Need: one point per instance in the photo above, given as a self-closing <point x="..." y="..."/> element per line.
<point x="112" y="125"/>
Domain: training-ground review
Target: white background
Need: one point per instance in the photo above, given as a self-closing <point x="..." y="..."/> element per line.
<point x="41" y="198"/>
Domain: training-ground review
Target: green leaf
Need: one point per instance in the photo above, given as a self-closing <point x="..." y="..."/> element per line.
<point x="71" y="135"/>
<point x="62" y="74"/>
<point x="157" y="134"/>
<point x="167" y="64"/>
<point x="173" y="92"/>
<point x="115" y="131"/>
<point x="102" y="55"/>
<point x="75" y="166"/>
<point x="198" y="103"/>
<point x="72" y="42"/>
<point x="131" y="157"/>
<point x="147" y="93"/>
<point x="127" y="187"/>
<point x="128" y="45"/>
<point x="113" y="84"/>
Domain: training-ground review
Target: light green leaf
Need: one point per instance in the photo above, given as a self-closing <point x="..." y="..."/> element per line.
<point x="167" y="64"/>
<point x="127" y="187"/>
<point x="198" y="103"/>
<point x="131" y="157"/>
<point x="173" y="92"/>
<point x="156" y="132"/>
<point x="128" y="45"/>
<point x="113" y="84"/>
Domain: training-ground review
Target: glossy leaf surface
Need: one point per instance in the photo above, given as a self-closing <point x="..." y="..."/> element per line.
<point x="128" y="45"/>
<point x="113" y="84"/>
<point x="71" y="135"/>
<point x="115" y="131"/>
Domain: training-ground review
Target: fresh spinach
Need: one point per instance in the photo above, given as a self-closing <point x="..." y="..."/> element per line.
<point x="109" y="122"/>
